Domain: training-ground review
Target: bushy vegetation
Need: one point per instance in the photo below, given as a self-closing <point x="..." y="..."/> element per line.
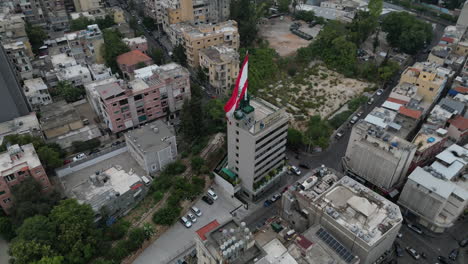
<point x="82" y="23"/>
<point x="81" y="146"/>
<point x="113" y="47"/>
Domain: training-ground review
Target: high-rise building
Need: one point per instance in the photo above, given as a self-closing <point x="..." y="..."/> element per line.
<point x="256" y="135"/>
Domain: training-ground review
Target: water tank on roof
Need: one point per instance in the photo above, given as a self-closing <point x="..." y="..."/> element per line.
<point x="394" y="144"/>
<point x="430" y="140"/>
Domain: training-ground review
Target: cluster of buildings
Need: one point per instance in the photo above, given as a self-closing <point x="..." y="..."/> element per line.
<point x="414" y="144"/>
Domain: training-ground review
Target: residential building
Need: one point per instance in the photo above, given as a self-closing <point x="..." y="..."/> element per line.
<point x="256" y="135"/>
<point x="50" y="14"/>
<point x="12" y="26"/>
<point x="37" y="93"/>
<point x="27" y="124"/>
<point x="114" y="189"/>
<point x="12" y="99"/>
<point x="19" y="55"/>
<point x="377" y="155"/>
<point x="138" y="43"/>
<point x="160" y="93"/>
<point x="429" y="143"/>
<point x="132" y="60"/>
<point x="438" y="194"/>
<point x="87" y="5"/>
<point x="221" y="64"/>
<point x="215" y="240"/>
<point x="91" y="14"/>
<point x="349" y="214"/>
<point x="195" y="38"/>
<point x="153" y="145"/>
<point x="85" y="45"/>
<point x="99" y="72"/>
<point x="92" y="96"/>
<point x="458" y="129"/>
<point x="17" y="164"/>
<point x="118" y="14"/>
<point x="77" y="75"/>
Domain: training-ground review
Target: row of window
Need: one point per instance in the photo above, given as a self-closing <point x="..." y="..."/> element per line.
<point x="269" y="134"/>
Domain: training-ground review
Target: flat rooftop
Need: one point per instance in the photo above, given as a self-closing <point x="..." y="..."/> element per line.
<point x="426" y="138"/>
<point x="19" y="125"/>
<point x="442" y="187"/>
<point x="265" y="115"/>
<point x="7" y="165"/>
<point x="58" y="114"/>
<point x="152" y="136"/>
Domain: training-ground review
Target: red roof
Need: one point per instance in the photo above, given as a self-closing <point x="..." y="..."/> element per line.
<point x="460" y="122"/>
<point x="132" y="57"/>
<point x="303" y="242"/>
<point x="461" y="89"/>
<point x="134" y="187"/>
<point x="414" y="69"/>
<point x="415" y="114"/>
<point x="398" y="101"/>
<point x="206" y="229"/>
<point x="447" y="39"/>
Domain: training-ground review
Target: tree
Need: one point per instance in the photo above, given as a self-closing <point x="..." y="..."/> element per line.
<point x="157" y="55"/>
<point x="118" y="230"/>
<point x="136" y="237"/>
<point x="166" y="215"/>
<point x="36" y="36"/>
<point x="197" y="163"/>
<point x="49" y="157"/>
<point x="307" y="16"/>
<point x="294" y="137"/>
<point x="202" y="75"/>
<point x="37" y="228"/>
<point x="178" y="55"/>
<point x="247" y="13"/>
<point x="6" y="228"/>
<point x="69" y="92"/>
<point x="80" y="23"/>
<point x="149" y="23"/>
<point x="26" y="252"/>
<point x="80" y="146"/>
<point x="356" y="102"/>
<point x="113" y="47"/>
<point x="318" y="132"/>
<point x="192" y="125"/>
<point x="140" y="65"/>
<point x="283" y="5"/>
<point x="51" y="260"/>
<point x="375" y="8"/>
<point x="215" y="116"/>
<point x="265" y="69"/>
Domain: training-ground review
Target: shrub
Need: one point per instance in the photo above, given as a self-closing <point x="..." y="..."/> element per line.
<point x="197" y="163"/>
<point x="136" y="237"/>
<point x="175" y="168"/>
<point x="157" y="196"/>
<point x="167" y="215"/>
<point x="340" y="118"/>
<point x="118" y="230"/>
<point x="119" y="251"/>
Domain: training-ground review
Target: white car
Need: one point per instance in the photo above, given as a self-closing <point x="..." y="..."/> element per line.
<point x="379" y="92"/>
<point x="212" y="194"/>
<point x="196" y="211"/>
<point x="185" y="222"/>
<point x="295" y="170"/>
<point x="79" y="157"/>
<point x="192" y="217"/>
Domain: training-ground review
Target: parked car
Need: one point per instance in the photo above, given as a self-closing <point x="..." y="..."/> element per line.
<point x="354" y="119"/>
<point x="398" y="250"/>
<point x="379" y="92"/>
<point x="371" y="101"/>
<point x="185" y="222"/>
<point x="116" y="143"/>
<point x="207" y="199"/>
<point x="463" y="243"/>
<point x="212" y="194"/>
<point x="94" y="151"/>
<point x="79" y="156"/>
<point x="339" y="134"/>
<point x="413" y="252"/>
<point x="196" y="211"/>
<point x="295" y="170"/>
<point x="65" y="162"/>
<point x="360" y="113"/>
<point x="443" y="260"/>
<point x="275" y="197"/>
<point x="304" y="166"/>
<point x="454" y="254"/>
<point x="192" y="217"/>
<point x="400" y="235"/>
<point x="267" y="203"/>
<point x="415" y="228"/>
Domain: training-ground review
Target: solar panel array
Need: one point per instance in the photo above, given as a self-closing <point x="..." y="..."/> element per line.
<point x="335" y="245"/>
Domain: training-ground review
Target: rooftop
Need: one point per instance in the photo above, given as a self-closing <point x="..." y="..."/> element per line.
<point x="265" y="114"/>
<point x="200" y="31"/>
<point x="61" y="60"/>
<point x="72" y="71"/>
<point x="386" y="139"/>
<point x="450" y="162"/>
<point x="220" y="54"/>
<point x="132" y="57"/>
<point x="14" y="45"/>
<point x="152" y="136"/>
<point x="109" y="90"/>
<point x="28" y="158"/>
<point x="442" y="187"/>
<point x="34" y="85"/>
<point x="133" y="41"/>
<point x="206" y="229"/>
<point x="427" y="138"/>
<point x="276" y="253"/>
<point x="19" y="125"/>
<point x="439" y="116"/>
<point x="460" y="122"/>
<point x="145" y="72"/>
<point x="57" y="114"/>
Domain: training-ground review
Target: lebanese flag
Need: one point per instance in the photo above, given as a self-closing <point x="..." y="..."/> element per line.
<point x="241" y="82"/>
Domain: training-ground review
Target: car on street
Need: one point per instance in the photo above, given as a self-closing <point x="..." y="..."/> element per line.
<point x="196" y="211"/>
<point x="192" y="217"/>
<point x="267" y="203"/>
<point x="371" y="101"/>
<point x="400" y="235"/>
<point x="207" y="200"/>
<point x="454" y="254"/>
<point x="212" y="194"/>
<point x="360" y="113"/>
<point x="94" y="151"/>
<point x="443" y="260"/>
<point x="415" y="228"/>
<point x="79" y="156"/>
<point x="379" y="92"/>
<point x="304" y="166"/>
<point x="398" y="249"/>
<point x="413" y="252"/>
<point x="65" y="162"/>
<point x="116" y="143"/>
<point x="354" y="119"/>
<point x="185" y="222"/>
<point x="338" y="134"/>
<point x="276" y="197"/>
<point x="295" y="170"/>
<point x="463" y="243"/>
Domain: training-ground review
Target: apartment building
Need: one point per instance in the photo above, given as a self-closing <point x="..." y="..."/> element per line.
<point x="376" y="154"/>
<point x="429" y="143"/>
<point x="12" y="26"/>
<point x="37" y="93"/>
<point x="138" y="43"/>
<point x="86" y="45"/>
<point x="458" y="129"/>
<point x="438" y="194"/>
<point x="195" y="38"/>
<point x="364" y="223"/>
<point x="76" y="75"/>
<point x="17" y="164"/>
<point x="256" y="135"/>
<point x="99" y="72"/>
<point x="19" y="55"/>
<point x="221" y="64"/>
<point x="159" y="93"/>
<point x="28" y="124"/>
<point x="87" y="5"/>
<point x="132" y="60"/>
<point x="50" y="14"/>
<point x="153" y="145"/>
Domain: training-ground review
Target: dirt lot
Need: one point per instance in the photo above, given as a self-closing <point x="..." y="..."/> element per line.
<point x="276" y="31"/>
<point x="316" y="90"/>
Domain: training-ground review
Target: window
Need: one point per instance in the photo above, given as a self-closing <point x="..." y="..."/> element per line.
<point x="7" y="200"/>
<point x="431" y="89"/>
<point x="237" y="147"/>
<point x="146" y="94"/>
<point x="237" y="140"/>
<point x="237" y="154"/>
<point x="10" y="177"/>
<point x="38" y="171"/>
<point x="21" y="173"/>
<point x="237" y="132"/>
<point x="118" y="119"/>
<point x="123" y="102"/>
<point x="138" y="97"/>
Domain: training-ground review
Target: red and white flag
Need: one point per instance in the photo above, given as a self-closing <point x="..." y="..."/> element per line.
<point x="237" y="94"/>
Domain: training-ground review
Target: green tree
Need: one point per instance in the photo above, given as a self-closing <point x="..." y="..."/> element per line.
<point x="197" y="163"/>
<point x="387" y="70"/>
<point x="375" y="8"/>
<point x="49" y="157"/>
<point x="80" y="23"/>
<point x="136" y="237"/>
<point x="247" y="13"/>
<point x="69" y="92"/>
<point x="340" y="118"/>
<point x="167" y="215"/>
<point x="157" y="55"/>
<point x="178" y="55"/>
<point x="192" y="117"/>
<point x="6" y="228"/>
<point x="318" y="132"/>
<point x="356" y="102"/>
<point x="27" y="252"/>
<point x="118" y="230"/>
<point x="149" y="23"/>
<point x="36" y="36"/>
<point x="307" y="16"/>
<point x="215" y="115"/>
<point x="294" y="137"/>
<point x="113" y="47"/>
<point x="81" y="146"/>
<point x="140" y="65"/>
<point x="266" y="67"/>
<point x="283" y="5"/>
<point x="37" y="228"/>
<point x="51" y="260"/>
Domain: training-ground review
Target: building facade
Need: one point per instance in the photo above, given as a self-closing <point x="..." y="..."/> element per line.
<point x="153" y="145"/>
<point x="256" y="136"/>
<point x="132" y="60"/>
<point x="37" y="93"/>
<point x="221" y="64"/>
<point x="87" y="5"/>
<point x="17" y="164"/>
<point x="19" y="56"/>
<point x="138" y="43"/>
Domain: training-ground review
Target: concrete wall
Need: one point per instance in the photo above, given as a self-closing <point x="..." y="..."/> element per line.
<point x="225" y="185"/>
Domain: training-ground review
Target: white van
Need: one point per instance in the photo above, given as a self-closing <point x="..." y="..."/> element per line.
<point x="145" y="180"/>
<point x="212" y="194"/>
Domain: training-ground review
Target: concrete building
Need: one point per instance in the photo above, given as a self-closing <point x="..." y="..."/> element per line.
<point x="429" y="143"/>
<point x="118" y="14"/>
<point x="458" y="129"/>
<point x="19" y="56"/>
<point x="87" y="5"/>
<point x="376" y="155"/>
<point x="159" y="92"/>
<point x="196" y="38"/>
<point x="17" y="164"/>
<point x="99" y="72"/>
<point x="463" y="18"/>
<point x="438" y="194"/>
<point x="113" y="189"/>
<point x="37" y="93"/>
<point x="365" y="223"/>
<point x="138" y="43"/>
<point x="12" y="26"/>
<point x="12" y="99"/>
<point x="221" y="64"/>
<point x="28" y="124"/>
<point x="256" y="135"/>
<point x="91" y="14"/>
<point x="77" y="75"/>
<point x="50" y="14"/>
<point x="132" y="60"/>
<point x="227" y="243"/>
<point x="86" y="45"/>
<point x="153" y="145"/>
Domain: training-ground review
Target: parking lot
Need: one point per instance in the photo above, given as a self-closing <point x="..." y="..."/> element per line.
<point x="178" y="238"/>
